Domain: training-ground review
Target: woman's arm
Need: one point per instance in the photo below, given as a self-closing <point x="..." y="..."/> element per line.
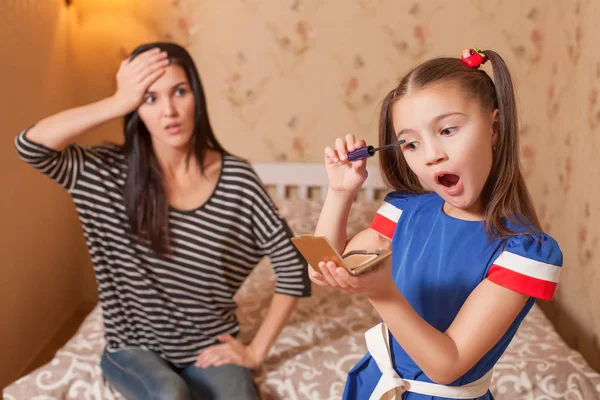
<point x="133" y="79"/>
<point x="59" y="130"/>
<point x="280" y="310"/>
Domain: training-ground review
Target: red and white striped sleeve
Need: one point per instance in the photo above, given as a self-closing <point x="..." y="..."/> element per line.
<point x="529" y="266"/>
<point x="389" y="213"/>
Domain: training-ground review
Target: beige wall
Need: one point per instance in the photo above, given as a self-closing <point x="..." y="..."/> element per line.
<point x="51" y="58"/>
<point x="41" y="245"/>
<point x="283" y="79"/>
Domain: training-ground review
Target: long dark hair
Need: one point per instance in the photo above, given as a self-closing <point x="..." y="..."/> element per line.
<point x="146" y="202"/>
<point x="504" y="194"/>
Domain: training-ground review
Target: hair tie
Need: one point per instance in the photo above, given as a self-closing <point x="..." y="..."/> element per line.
<point x="473" y="57"/>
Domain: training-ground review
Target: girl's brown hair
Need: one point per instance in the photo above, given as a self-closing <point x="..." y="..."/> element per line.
<point x="504" y="194"/>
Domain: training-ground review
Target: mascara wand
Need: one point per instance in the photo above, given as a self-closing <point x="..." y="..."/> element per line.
<point x="369" y="151"/>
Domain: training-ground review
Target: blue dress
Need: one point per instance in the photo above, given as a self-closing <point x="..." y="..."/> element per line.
<point x="437" y="262"/>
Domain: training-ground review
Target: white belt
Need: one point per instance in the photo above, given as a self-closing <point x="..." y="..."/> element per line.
<point x="391" y="384"/>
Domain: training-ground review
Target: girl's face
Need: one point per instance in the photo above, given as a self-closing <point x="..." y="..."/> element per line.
<point x="449" y="139"/>
<point x="168" y="109"/>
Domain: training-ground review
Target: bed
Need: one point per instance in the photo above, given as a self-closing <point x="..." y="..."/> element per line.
<point x="324" y="338"/>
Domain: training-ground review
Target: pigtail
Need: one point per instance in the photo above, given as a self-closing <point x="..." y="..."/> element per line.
<point x="505" y="192"/>
<point x="505" y="96"/>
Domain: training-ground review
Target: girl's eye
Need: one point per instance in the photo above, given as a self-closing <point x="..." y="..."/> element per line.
<point x="149" y="99"/>
<point x="411" y="145"/>
<point x="180" y="92"/>
<point x="448" y="131"/>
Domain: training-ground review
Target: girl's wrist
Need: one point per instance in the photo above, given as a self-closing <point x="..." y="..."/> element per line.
<point x="342" y="195"/>
<point x="380" y="297"/>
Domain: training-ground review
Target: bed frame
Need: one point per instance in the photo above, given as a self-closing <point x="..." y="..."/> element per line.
<point x="285" y="178"/>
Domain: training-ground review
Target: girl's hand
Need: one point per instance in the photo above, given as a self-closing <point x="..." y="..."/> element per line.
<point x="376" y="283"/>
<point x="343" y="175"/>
<point x="231" y="351"/>
<point x="135" y="77"/>
<point x="379" y="241"/>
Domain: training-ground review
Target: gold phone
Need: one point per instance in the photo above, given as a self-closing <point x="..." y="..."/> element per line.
<point x="317" y="248"/>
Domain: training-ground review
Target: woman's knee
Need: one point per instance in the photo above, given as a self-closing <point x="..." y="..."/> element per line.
<point x="220" y="383"/>
<point x="171" y="390"/>
<point x="142" y="374"/>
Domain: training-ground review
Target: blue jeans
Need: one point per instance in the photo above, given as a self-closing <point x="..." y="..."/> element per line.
<point x="143" y="374"/>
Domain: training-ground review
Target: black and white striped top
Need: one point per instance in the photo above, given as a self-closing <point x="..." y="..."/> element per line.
<point x="175" y="305"/>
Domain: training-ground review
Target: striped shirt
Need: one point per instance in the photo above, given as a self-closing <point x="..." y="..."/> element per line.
<point x="175" y="305"/>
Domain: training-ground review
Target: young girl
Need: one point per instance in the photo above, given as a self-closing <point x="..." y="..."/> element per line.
<point x="174" y="225"/>
<point x="469" y="257"/>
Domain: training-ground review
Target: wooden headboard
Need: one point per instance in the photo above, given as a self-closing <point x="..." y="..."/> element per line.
<point x="302" y="177"/>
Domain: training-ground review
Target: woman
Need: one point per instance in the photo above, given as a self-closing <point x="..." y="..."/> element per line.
<point x="174" y="224"/>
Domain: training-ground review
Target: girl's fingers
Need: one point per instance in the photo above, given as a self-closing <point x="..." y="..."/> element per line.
<point x="328" y="277"/>
<point x="340" y="146"/>
<point x="317" y="277"/>
<point x="353" y="283"/>
<point x="320" y="283"/>
<point x="350" y="140"/>
<point x="358" y="165"/>
<point x="350" y="282"/>
<point x="331" y="156"/>
<point x="360" y="143"/>
<point x="341" y="274"/>
<point x="337" y="275"/>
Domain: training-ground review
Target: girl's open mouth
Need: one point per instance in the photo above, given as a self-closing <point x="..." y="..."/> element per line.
<point x="448" y="180"/>
<point x="451" y="183"/>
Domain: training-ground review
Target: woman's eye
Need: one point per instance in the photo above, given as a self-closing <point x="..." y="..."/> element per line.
<point x="448" y="131"/>
<point x="149" y="99"/>
<point x="180" y="92"/>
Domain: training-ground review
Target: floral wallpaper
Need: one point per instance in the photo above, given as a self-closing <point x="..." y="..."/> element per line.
<point x="284" y="78"/>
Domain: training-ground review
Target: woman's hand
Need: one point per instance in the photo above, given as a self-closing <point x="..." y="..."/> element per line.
<point x="345" y="176"/>
<point x="231" y="351"/>
<point x="135" y="77"/>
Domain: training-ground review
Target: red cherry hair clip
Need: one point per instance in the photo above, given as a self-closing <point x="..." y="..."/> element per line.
<point x="473" y="57"/>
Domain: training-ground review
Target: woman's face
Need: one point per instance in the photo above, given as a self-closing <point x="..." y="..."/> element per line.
<point x="168" y="110"/>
